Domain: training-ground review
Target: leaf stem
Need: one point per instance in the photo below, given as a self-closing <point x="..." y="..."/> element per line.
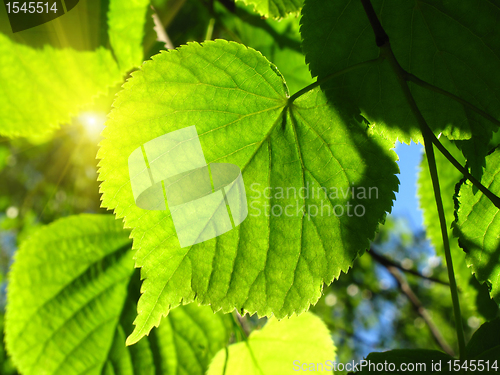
<point x="210" y="29"/>
<point x="331" y="76"/>
<point x="386" y="51"/>
<point x="381" y="36"/>
<point x="412" y="78"/>
<point x="491" y="196"/>
<point x="239" y="328"/>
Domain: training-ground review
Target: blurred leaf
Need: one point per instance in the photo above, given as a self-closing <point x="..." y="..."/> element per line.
<point x="4" y="155"/>
<point x="279" y="41"/>
<point x="276" y="348"/>
<point x="126" y="22"/>
<point x="274" y="8"/>
<point x="44" y="88"/>
<point x="71" y="303"/>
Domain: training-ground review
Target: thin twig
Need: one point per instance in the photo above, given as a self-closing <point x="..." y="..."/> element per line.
<point x="406" y="289"/>
<point x="161" y="33"/>
<point x="388" y="262"/>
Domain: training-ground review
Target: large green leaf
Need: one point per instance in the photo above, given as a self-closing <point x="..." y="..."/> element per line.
<point x="278" y="348"/>
<point x="472" y="295"/>
<point x="477" y="226"/>
<point x="274" y="8"/>
<point x="237" y="101"/>
<point x="72" y="299"/>
<point x="337" y="34"/>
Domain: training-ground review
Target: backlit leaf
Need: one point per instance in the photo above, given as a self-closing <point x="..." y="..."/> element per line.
<point x="279" y="348"/>
<point x="274" y="8"/>
<point x="274" y="262"/>
<point x="477" y="226"/>
<point x="72" y="299"/>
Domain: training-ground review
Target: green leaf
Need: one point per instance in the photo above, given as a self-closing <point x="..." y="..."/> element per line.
<point x="274" y="8"/>
<point x="422" y="360"/>
<point x="72" y="299"/>
<point x="238" y="102"/>
<point x="278" y="41"/>
<point x="477" y="226"/>
<point x="65" y="80"/>
<point x="471" y="293"/>
<point x="277" y="348"/>
<point x="337" y="34"/>
<point x="126" y="23"/>
<point x="484" y="340"/>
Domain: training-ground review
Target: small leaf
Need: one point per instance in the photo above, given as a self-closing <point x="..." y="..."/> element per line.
<point x="337" y="34"/>
<point x="484" y="341"/>
<point x="126" y="22"/>
<point x="277" y="348"/>
<point x="237" y="101"/>
<point x="279" y="41"/>
<point x="274" y="8"/>
<point x="477" y="226"/>
<point x="471" y="293"/>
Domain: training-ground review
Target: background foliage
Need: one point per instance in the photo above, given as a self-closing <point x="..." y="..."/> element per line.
<point x="70" y="297"/>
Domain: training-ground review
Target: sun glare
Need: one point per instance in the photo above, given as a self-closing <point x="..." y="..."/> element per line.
<point x="93" y="123"/>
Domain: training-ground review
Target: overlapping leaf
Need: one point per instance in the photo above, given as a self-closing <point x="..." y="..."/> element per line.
<point x="279" y="41"/>
<point x="72" y="299"/>
<point x="449" y="177"/>
<point x="278" y="348"/>
<point x="477" y="226"/>
<point x="126" y="21"/>
<point x="274" y="8"/>
<point x="485" y="342"/>
<point x="271" y="263"/>
<point x="452" y="46"/>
